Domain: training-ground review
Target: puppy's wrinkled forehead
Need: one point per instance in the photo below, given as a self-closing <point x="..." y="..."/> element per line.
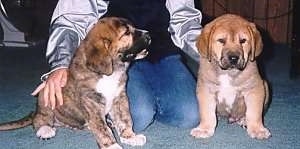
<point x="232" y="30"/>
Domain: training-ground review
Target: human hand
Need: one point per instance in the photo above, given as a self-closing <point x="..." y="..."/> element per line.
<point x="52" y="87"/>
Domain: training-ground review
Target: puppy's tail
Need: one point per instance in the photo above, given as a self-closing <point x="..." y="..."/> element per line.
<point x="23" y="122"/>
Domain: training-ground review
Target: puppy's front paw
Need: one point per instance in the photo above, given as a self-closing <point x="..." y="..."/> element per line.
<point x="114" y="146"/>
<point x="137" y="140"/>
<point x="259" y="133"/>
<point x="199" y="132"/>
<point x="45" y="132"/>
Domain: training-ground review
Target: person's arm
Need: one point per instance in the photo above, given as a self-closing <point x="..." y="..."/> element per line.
<point x="185" y="25"/>
<point x="71" y="21"/>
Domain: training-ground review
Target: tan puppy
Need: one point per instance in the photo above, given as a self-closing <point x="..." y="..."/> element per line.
<point x="96" y="87"/>
<point x="229" y="83"/>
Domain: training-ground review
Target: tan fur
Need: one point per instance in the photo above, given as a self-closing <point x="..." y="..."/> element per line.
<point x="86" y="104"/>
<point x="229" y="83"/>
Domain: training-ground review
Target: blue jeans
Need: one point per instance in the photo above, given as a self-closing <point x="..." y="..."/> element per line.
<point x="164" y="91"/>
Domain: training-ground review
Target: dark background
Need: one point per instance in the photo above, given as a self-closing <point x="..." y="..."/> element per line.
<point x="33" y="16"/>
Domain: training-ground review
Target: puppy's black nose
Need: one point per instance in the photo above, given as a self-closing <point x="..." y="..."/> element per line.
<point x="233" y="59"/>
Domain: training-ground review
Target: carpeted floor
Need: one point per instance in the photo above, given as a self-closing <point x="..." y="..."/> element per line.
<point x="20" y="69"/>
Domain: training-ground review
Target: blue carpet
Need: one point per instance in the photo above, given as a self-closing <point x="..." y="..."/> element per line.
<point x="21" y="68"/>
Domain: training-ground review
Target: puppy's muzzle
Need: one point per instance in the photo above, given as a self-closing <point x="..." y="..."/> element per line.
<point x="141" y="40"/>
<point x="231" y="60"/>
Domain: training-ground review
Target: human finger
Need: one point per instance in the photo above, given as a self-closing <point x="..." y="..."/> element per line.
<point x="63" y="81"/>
<point x="52" y="98"/>
<point x="38" y="89"/>
<point x="58" y="93"/>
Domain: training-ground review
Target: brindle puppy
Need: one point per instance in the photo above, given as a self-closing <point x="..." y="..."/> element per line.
<point x="96" y="87"/>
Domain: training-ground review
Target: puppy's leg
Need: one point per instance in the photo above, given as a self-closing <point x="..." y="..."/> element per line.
<point x="207" y="108"/>
<point x="255" y="101"/>
<point x="97" y="125"/>
<point x="122" y="118"/>
<point x="43" y="121"/>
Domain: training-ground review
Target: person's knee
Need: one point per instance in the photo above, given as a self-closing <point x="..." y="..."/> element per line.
<point x="180" y="115"/>
<point x="142" y="116"/>
<point x="190" y="117"/>
<point x="141" y="99"/>
<point x="142" y="108"/>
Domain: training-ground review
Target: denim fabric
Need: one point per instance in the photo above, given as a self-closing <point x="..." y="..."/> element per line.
<point x="164" y="91"/>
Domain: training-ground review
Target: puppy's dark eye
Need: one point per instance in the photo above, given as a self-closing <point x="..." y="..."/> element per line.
<point x="120" y="55"/>
<point x="221" y="40"/>
<point x="242" y="41"/>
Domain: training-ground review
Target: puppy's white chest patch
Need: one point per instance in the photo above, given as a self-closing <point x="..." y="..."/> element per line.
<point x="227" y="92"/>
<point x="109" y="87"/>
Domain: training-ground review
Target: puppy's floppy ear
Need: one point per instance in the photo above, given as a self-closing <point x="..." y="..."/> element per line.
<point x="204" y="41"/>
<point x="256" y="41"/>
<point x="98" y="57"/>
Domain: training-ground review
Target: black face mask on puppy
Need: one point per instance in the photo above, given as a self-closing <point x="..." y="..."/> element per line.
<point x="142" y="43"/>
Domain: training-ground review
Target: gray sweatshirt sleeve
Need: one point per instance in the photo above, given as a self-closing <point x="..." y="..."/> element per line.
<point x="71" y="20"/>
<point x="185" y="25"/>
